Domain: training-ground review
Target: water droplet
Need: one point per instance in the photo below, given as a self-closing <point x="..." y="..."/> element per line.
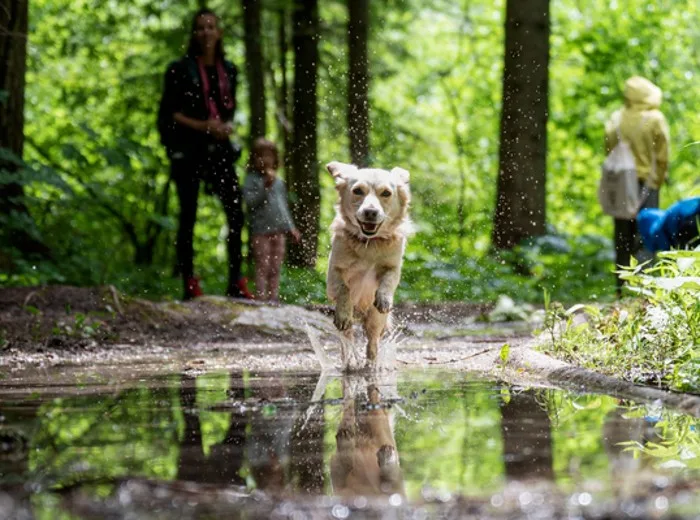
<point x="585" y="499"/>
<point x="340" y="511"/>
<point x="661" y="503"/>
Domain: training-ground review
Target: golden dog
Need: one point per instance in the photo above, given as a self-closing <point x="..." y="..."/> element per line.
<point x="369" y="237"/>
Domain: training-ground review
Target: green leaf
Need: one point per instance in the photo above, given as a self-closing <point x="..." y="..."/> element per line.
<point x="505" y="394"/>
<point x="504" y="353"/>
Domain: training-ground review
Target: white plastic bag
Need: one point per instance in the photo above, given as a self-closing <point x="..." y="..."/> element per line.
<point x="618" y="191"/>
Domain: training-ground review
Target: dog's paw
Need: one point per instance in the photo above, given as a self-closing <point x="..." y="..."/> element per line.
<point x="382" y="302"/>
<point x="387" y="456"/>
<point x="345" y="434"/>
<point x="342" y="320"/>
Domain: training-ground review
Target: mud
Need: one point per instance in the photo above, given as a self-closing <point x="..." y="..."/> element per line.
<point x="60" y="325"/>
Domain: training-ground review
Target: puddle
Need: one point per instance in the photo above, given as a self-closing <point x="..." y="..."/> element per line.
<point x="408" y="445"/>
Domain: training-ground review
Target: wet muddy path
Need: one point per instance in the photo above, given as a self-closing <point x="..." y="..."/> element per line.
<point x="235" y="443"/>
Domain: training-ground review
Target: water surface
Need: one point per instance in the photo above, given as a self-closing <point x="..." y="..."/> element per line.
<point x="263" y="445"/>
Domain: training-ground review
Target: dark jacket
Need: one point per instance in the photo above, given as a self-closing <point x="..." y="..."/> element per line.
<point x="183" y="93"/>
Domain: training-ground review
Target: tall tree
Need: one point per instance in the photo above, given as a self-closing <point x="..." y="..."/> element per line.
<point x="304" y="186"/>
<point x="520" y="201"/>
<point x="254" y="67"/>
<point x="282" y="87"/>
<point x="13" y="65"/>
<point x="358" y="87"/>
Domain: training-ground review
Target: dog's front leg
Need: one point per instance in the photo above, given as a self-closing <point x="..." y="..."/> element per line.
<point x="384" y="297"/>
<point x="343" y="305"/>
<point x="375" y="323"/>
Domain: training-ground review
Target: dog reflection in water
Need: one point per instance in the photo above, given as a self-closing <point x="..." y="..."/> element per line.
<point x="367" y="461"/>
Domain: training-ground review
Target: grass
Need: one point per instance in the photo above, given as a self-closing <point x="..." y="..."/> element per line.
<point x="653" y="338"/>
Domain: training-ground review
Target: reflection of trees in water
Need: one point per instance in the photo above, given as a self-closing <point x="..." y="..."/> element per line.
<point x="527" y="437"/>
<point x="279" y="447"/>
<point x="15" y="438"/>
<point x="99" y="437"/>
<point x="586" y="427"/>
<point x="270" y="441"/>
<point x="622" y="428"/>
<point x="224" y="462"/>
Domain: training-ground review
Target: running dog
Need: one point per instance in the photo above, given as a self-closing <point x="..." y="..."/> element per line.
<point x="369" y="231"/>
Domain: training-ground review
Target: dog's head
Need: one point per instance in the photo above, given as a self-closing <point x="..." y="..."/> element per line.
<point x="373" y="202"/>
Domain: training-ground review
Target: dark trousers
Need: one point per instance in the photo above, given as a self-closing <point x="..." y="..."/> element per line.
<point x="218" y="171"/>
<point x="628" y="241"/>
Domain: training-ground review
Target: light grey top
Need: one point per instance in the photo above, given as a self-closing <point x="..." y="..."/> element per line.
<point x="268" y="211"/>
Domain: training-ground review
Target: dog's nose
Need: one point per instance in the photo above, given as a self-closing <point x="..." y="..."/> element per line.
<point x="371" y="214"/>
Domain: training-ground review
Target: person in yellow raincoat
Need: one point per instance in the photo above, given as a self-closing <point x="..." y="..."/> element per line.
<point x="640" y="124"/>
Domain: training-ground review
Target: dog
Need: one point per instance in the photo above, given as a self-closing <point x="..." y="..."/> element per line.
<point x="369" y="235"/>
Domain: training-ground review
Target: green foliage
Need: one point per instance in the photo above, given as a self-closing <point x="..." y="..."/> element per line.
<point x="97" y="182"/>
<point x="79" y="326"/>
<point x="578" y="423"/>
<point x="677" y="445"/>
<point x="651" y="339"/>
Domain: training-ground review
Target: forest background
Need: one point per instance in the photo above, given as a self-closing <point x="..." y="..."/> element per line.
<point x="96" y="180"/>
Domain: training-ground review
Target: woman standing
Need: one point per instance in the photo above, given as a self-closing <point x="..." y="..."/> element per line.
<point x="195" y="122"/>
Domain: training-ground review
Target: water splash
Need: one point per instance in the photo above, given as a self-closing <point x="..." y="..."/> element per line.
<point x="352" y="351"/>
<point x="315" y="340"/>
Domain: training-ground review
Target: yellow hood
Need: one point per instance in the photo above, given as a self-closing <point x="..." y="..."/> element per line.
<point x="642" y="94"/>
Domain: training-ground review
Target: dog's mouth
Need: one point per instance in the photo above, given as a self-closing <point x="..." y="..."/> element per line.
<point x="369" y="229"/>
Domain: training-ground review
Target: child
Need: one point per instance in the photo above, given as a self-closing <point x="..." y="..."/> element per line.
<point x="269" y="218"/>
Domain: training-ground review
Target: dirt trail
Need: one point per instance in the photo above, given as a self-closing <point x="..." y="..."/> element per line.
<point x="80" y="326"/>
<point x="99" y="333"/>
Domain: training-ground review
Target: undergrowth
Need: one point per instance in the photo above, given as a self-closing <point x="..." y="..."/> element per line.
<point x="652" y="339"/>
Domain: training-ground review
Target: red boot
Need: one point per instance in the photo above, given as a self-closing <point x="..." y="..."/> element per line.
<point x="240" y="290"/>
<point x="192" y="288"/>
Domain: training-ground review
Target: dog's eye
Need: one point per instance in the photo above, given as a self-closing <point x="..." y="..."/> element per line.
<point x="358" y="191"/>
<point x="385" y="193"/>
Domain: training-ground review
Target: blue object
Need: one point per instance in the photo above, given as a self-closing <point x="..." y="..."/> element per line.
<point x="675" y="227"/>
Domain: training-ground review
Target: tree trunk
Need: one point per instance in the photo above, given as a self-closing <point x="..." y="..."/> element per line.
<point x="254" y="68"/>
<point x="520" y="203"/>
<point x="283" y="116"/>
<point x="304" y="182"/>
<point x="13" y="57"/>
<point x="358" y="102"/>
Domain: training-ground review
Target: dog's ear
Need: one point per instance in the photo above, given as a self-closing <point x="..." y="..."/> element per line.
<point x="401" y="174"/>
<point x="340" y="172"/>
<point x="403" y="188"/>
